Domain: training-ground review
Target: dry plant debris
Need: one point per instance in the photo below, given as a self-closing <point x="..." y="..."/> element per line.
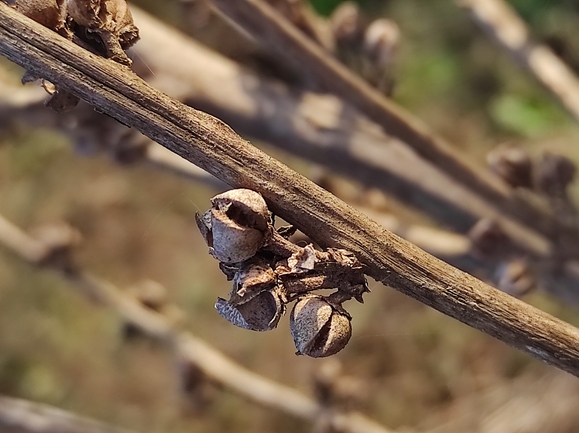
<point x="269" y="272"/>
<point x="105" y="27"/>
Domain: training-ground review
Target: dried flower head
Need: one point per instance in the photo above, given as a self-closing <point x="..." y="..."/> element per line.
<point x="235" y="228"/>
<point x="319" y="329"/>
<point x="255" y="302"/>
<point x="268" y="272"/>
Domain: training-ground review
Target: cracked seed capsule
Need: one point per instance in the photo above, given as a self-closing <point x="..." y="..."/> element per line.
<point x="318" y="328"/>
<point x="235" y="228"/>
<point x="260" y="313"/>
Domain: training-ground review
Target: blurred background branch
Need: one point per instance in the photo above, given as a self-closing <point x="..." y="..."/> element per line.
<point x="53" y="249"/>
<point x="22" y="416"/>
<point x="500" y="21"/>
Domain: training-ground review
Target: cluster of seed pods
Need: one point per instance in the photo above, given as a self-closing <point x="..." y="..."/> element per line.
<point x="269" y="272"/>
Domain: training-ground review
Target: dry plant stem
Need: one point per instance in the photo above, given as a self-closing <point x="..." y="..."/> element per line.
<point x="210" y="361"/>
<point x="269" y="27"/>
<point x="500" y="21"/>
<point x="212" y="145"/>
<point x="320" y="128"/>
<point x="22" y="416"/>
<point x="444" y="244"/>
<point x="316" y="127"/>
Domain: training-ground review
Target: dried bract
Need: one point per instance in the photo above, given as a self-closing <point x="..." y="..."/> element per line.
<point x="49" y="13"/>
<point x="303" y="260"/>
<point x="252" y="278"/>
<point x="111" y="20"/>
<point x="319" y="329"/>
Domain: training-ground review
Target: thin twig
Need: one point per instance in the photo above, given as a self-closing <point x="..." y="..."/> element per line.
<point x="509" y="31"/>
<point x="266" y="25"/>
<point x="22" y="416"/>
<point x="210" y="361"/>
<point x="212" y="145"/>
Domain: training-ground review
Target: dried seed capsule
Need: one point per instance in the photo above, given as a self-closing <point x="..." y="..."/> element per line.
<point x="235" y="228"/>
<point x="512" y="164"/>
<point x="260" y="313"/>
<point x="245" y="206"/>
<point x="346" y="25"/>
<point x="49" y="13"/>
<point x="318" y="328"/>
<point x="381" y="41"/>
<point x="554" y="174"/>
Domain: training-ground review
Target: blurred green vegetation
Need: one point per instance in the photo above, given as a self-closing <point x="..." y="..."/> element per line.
<point x="138" y="224"/>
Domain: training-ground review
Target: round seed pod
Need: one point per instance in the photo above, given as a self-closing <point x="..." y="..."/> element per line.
<point x="239" y="224"/>
<point x="381" y="41"/>
<point x="261" y="313"/>
<point x="318" y="328"/>
<point x="347" y="25"/>
<point x="512" y="164"/>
